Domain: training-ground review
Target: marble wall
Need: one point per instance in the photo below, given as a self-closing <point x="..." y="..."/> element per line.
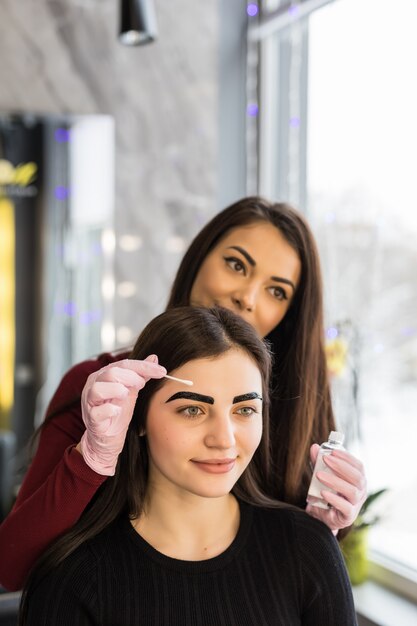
<point x="63" y="56"/>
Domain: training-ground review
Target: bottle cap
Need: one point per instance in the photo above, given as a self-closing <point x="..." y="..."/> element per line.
<point x="337" y="437"/>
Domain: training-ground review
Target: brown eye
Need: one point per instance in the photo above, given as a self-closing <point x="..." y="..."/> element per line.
<point x="278" y="293"/>
<point x="236" y="265"/>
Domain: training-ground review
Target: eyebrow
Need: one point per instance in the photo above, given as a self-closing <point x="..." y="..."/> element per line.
<point x="246" y="254"/>
<point x="191" y="395"/>
<point x="252" y="262"/>
<point x="253" y="395"/>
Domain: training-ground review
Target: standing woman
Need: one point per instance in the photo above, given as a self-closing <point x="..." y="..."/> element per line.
<point x="258" y="259"/>
<point x="183" y="534"/>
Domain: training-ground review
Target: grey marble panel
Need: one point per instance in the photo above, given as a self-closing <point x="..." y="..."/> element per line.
<point x="63" y="56"/>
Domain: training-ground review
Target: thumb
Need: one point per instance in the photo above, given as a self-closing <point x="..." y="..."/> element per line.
<point x="314" y="450"/>
<point x="152" y="358"/>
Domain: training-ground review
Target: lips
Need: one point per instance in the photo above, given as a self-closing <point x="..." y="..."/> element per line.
<point x="215" y="466"/>
<point x="214" y="461"/>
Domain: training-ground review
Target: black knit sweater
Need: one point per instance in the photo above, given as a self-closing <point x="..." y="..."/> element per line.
<point x="283" y="568"/>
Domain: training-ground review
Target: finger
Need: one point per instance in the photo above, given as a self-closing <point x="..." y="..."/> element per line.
<point x="327" y="516"/>
<point x="122" y="375"/>
<point x="345" y="470"/>
<point x="314" y="450"/>
<point x="345" y="489"/>
<point x="349" y="458"/>
<point x="152" y="358"/>
<point x="315" y="511"/>
<point x="104" y="413"/>
<point x="103" y="392"/>
<point x="143" y="368"/>
<point x="340" y="505"/>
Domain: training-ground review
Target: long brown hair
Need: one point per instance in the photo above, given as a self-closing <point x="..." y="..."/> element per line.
<point x="301" y="411"/>
<point x="179" y="335"/>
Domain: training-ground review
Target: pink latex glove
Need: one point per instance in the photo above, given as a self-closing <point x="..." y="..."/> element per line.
<point x="107" y="403"/>
<point x="348" y="480"/>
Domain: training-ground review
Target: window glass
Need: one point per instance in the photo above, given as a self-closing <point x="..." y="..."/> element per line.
<point x="362" y="203"/>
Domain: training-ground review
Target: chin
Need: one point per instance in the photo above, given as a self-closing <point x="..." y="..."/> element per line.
<point x="213" y="491"/>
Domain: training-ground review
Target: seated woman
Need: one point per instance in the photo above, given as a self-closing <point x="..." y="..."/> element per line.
<point x="183" y="534"/>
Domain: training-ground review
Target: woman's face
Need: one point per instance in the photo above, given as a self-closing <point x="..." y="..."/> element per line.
<point x="201" y="438"/>
<point x="254" y="272"/>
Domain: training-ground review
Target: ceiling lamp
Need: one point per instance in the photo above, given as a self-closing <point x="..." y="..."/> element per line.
<point x="137" y="22"/>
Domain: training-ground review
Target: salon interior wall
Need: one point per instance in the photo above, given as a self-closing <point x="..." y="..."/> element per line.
<point x="63" y="57"/>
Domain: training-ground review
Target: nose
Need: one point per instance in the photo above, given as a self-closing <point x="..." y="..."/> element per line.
<point x="245" y="298"/>
<point x="221" y="434"/>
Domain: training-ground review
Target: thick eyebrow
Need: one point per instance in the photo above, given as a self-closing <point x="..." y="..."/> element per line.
<point x="278" y="279"/>
<point x="190" y="395"/>
<point x="247" y="396"/>
<point x="252" y="262"/>
<point x="247" y="256"/>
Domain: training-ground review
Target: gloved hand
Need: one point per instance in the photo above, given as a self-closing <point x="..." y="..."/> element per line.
<point x="348" y="480"/>
<point x="107" y="403"/>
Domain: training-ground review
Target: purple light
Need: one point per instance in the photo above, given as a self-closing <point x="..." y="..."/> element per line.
<point x="61" y="192"/>
<point x="252" y="9"/>
<point x="408" y="331"/>
<point x="88" y="317"/>
<point x="69" y="308"/>
<point x="59" y="249"/>
<point x="294" y="122"/>
<point x="293" y="10"/>
<point x="332" y="333"/>
<point x="252" y="110"/>
<point x="66" y="308"/>
<point x="62" y="135"/>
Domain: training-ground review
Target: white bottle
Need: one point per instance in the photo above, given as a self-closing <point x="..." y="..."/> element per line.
<point x="314" y="497"/>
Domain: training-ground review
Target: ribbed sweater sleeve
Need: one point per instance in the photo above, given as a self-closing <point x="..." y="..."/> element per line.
<point x="327" y="593"/>
<point x="58" y="485"/>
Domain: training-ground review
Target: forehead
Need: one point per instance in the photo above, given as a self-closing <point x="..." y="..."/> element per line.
<point x="224" y="376"/>
<point x="253" y="231"/>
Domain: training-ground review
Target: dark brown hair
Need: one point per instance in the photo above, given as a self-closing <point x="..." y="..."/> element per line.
<point x="177" y="336"/>
<point x="301" y="411"/>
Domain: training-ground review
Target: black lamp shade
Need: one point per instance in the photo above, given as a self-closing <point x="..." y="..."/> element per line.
<point x="137" y="22"/>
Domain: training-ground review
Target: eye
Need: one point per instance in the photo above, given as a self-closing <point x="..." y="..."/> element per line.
<point x="236" y="265"/>
<point x="247" y="411"/>
<point x="278" y="292"/>
<point x="191" y="411"/>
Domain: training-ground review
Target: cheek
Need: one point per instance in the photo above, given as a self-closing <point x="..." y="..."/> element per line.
<point x="160" y="442"/>
<point x="253" y="436"/>
<point x="211" y="281"/>
<point x="167" y="442"/>
<point x="271" y="316"/>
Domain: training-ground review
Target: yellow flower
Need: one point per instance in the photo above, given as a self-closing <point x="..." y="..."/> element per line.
<point x="336" y="355"/>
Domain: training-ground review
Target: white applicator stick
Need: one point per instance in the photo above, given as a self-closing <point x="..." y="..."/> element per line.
<point x="180" y="380"/>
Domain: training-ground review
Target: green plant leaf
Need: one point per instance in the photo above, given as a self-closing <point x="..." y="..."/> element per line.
<point x="370" y="499"/>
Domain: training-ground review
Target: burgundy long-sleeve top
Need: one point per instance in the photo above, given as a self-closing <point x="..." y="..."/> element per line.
<point x="58" y="485"/>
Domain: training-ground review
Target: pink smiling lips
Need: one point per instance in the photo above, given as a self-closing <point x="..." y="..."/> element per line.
<point x="215" y="466"/>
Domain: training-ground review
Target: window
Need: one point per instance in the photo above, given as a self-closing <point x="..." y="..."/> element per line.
<point x="362" y="200"/>
<point x="342" y="147"/>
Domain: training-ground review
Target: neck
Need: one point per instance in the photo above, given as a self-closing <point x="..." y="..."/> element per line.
<point x="189" y="527"/>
